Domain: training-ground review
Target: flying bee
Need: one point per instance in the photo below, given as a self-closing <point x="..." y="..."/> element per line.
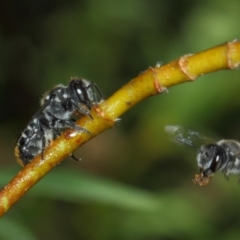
<point x="59" y="109"/>
<point x="223" y="155"/>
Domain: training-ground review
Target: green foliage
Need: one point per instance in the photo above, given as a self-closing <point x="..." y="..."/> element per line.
<point x="138" y="184"/>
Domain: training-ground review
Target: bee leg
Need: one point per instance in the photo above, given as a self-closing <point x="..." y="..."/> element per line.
<point x="44" y="145"/>
<point x="71" y="124"/>
<point x="75" y="158"/>
<point x="82" y="109"/>
<point x="226" y="176"/>
<point x="46" y="136"/>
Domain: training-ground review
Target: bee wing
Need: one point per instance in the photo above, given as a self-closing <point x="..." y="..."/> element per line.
<point x="186" y="136"/>
<point x="34" y="116"/>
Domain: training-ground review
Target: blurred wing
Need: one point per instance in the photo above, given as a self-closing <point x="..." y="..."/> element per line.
<point x="186" y="136"/>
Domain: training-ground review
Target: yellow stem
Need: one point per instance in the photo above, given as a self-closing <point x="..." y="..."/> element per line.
<point x="148" y="83"/>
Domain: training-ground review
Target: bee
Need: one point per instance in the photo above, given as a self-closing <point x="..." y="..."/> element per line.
<point x="59" y="109"/>
<point x="212" y="156"/>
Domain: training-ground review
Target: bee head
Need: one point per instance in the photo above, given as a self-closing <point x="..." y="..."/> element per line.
<point x="211" y="158"/>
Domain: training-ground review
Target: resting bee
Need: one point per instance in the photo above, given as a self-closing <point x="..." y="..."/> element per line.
<point x="58" y="107"/>
<point x="223" y="155"/>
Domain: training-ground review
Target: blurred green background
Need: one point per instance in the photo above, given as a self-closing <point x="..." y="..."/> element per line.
<point x="132" y="182"/>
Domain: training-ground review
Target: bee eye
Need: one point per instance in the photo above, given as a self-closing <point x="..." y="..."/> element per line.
<point x="217" y="159"/>
<point x="214" y="164"/>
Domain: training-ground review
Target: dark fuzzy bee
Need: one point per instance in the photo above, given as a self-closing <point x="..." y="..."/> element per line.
<point x="59" y="109"/>
<point x="212" y="156"/>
